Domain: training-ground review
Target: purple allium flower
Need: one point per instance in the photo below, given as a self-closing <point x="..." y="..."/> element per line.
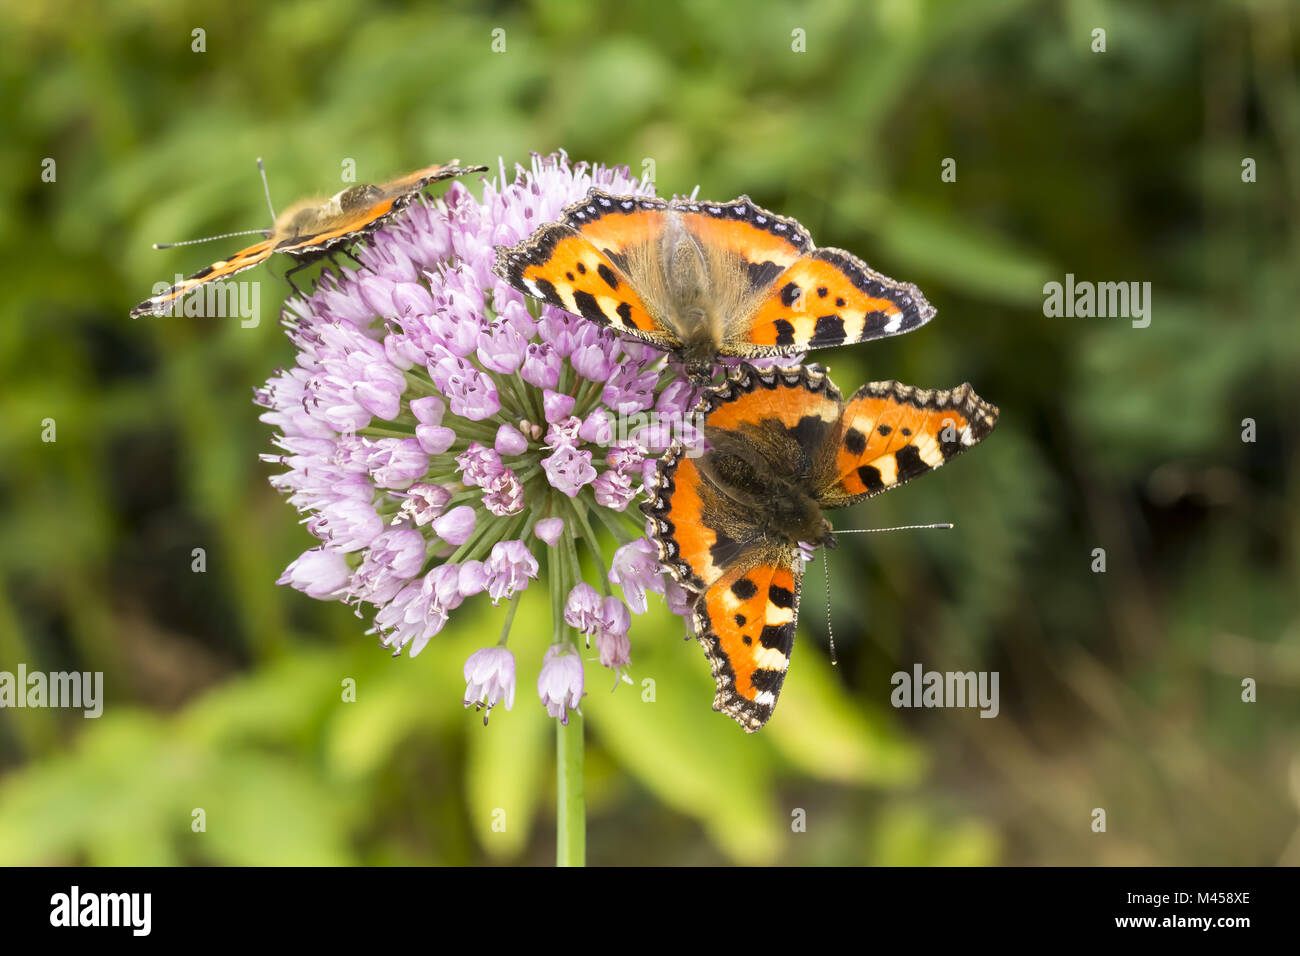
<point x="559" y="685"/>
<point x="630" y="389"/>
<point x="678" y="598"/>
<point x="490" y="679"/>
<point x="318" y="572"/>
<point x="441" y="433"/>
<point x="430" y="409"/>
<point x="636" y="570"/>
<point x="568" y="470"/>
<point x="593" y="353"/>
<point x="615" y="651"/>
<point x="396" y="462"/>
<point x="472" y="579"/>
<point x="509" y="569"/>
<point x="424" y="502"/>
<point x="612" y="642"/>
<point x="392" y="559"/>
<point x="412" y="617"/>
<point x="596" y="428"/>
<point x="346" y="524"/>
<point x="434" y="439"/>
<point x="470" y="393"/>
<point x="478" y="465"/>
<point x="557" y="405"/>
<point x="583" y="610"/>
<point x="504" y="495"/>
<point x="613" y="490"/>
<point x="626" y="457"/>
<point x="510" y="441"/>
<point x="542" y="364"/>
<point x="549" y="530"/>
<point x="456" y="525"/>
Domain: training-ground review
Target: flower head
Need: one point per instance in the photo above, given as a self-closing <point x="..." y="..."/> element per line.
<point x="443" y="434"/>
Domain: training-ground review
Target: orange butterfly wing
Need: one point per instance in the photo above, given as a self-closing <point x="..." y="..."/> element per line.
<point x="412" y="183"/>
<point x="828" y="297"/>
<point x="761" y="242"/>
<point x="746" y="623"/>
<point x="747" y="594"/>
<point x="793" y="398"/>
<point x="580" y="263"/>
<point x="244" y="259"/>
<point x="354" y="221"/>
<point x="688" y="546"/>
<point x="890" y="433"/>
<point x="345" y="227"/>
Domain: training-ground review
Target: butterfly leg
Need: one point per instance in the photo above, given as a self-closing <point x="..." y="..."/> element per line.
<point x="348" y="252"/>
<point x="302" y="264"/>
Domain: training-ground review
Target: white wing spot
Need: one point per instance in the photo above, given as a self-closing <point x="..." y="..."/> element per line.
<point x="769" y="658"/>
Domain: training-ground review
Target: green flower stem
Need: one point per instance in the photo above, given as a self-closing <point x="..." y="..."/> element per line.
<point x="480" y="541"/>
<point x="618" y="524"/>
<point x="510" y="618"/>
<point x="570" y="799"/>
<point x="587" y="398"/>
<point x="553" y="572"/>
<point x="592" y="544"/>
<point x="567" y="542"/>
<point x="464" y="428"/>
<point x="374" y="431"/>
<point x="511" y="387"/>
<point x="462" y="497"/>
<point x="421" y="383"/>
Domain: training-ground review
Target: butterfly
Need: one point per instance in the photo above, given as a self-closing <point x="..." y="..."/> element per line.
<point x="309" y="229"/>
<point x="733" y="521"/>
<point x="703" y="280"/>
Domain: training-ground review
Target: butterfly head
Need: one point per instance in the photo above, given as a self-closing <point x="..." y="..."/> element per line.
<point x="699" y="369"/>
<point x="828" y="538"/>
<point x="796" y="517"/>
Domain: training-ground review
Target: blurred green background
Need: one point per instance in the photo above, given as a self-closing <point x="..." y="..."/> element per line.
<point x="1119" y="690"/>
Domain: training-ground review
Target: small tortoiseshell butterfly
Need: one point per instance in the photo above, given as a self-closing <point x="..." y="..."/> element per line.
<point x="782" y="447"/>
<point x="704" y="279"/>
<point x="307" y="230"/>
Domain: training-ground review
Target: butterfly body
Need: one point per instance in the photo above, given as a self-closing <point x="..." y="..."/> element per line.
<point x="707" y="280"/>
<point x="765" y="473"/>
<point x="310" y="229"/>
<point x="734" y="524"/>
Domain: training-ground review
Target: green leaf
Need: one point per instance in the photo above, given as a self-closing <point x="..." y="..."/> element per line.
<point x="696" y="761"/>
<point x="963" y="255"/>
<point x="820" y="730"/>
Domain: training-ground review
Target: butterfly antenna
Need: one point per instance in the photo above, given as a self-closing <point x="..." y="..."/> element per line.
<point x="224" y="235"/>
<point x="945" y="525"/>
<point x="830" y="631"/>
<point x="266" y="188"/>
